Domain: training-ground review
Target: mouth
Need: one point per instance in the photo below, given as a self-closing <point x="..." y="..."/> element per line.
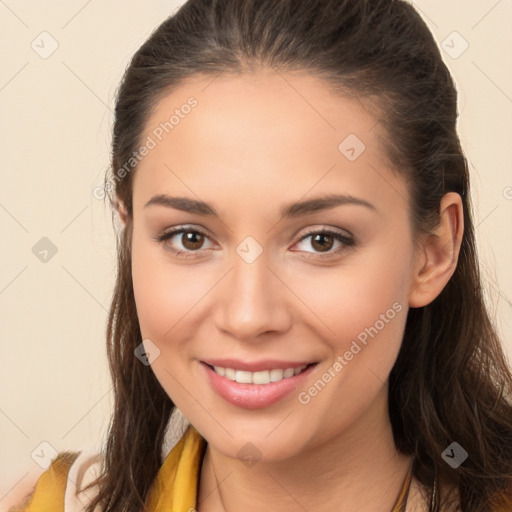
<point x="256" y="389"/>
<point x="259" y="377"/>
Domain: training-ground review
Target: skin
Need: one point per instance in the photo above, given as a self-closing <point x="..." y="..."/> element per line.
<point x="255" y="143"/>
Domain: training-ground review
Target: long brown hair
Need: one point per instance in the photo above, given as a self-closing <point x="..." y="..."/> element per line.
<point x="450" y="382"/>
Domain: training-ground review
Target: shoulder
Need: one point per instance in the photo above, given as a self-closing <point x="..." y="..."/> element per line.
<point x="60" y="488"/>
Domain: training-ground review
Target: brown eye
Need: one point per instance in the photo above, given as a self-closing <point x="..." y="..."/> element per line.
<point x="192" y="240"/>
<point x="322" y="242"/>
<point x="326" y="241"/>
<point x="186" y="242"/>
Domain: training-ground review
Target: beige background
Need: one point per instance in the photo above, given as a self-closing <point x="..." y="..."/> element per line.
<point x="56" y="114"/>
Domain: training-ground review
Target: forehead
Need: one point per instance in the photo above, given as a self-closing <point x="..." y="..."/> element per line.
<point x="258" y="132"/>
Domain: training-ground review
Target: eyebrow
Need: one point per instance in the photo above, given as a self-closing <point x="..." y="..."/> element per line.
<point x="295" y="209"/>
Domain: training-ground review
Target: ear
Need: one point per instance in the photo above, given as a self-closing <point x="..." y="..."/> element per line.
<point x="122" y="212"/>
<point x="438" y="253"/>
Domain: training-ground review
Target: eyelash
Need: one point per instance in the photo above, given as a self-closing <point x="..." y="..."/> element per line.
<point x="347" y="241"/>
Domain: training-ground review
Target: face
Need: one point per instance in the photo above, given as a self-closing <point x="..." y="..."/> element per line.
<point x="265" y="276"/>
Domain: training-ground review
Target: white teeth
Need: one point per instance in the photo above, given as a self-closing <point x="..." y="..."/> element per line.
<point x="243" y="377"/>
<point x="220" y="370"/>
<point x="289" y="372"/>
<point x="261" y="377"/>
<point x="276" y="375"/>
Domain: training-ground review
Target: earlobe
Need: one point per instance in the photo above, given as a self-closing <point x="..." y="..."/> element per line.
<point x="438" y="253"/>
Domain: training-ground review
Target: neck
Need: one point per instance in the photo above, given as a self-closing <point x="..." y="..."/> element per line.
<point x="356" y="469"/>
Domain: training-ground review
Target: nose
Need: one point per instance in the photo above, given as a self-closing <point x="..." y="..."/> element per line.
<point x="252" y="301"/>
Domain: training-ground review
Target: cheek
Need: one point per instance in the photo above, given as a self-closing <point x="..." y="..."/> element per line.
<point x="364" y="307"/>
<point x="163" y="293"/>
<point x="164" y="298"/>
<point x="363" y="292"/>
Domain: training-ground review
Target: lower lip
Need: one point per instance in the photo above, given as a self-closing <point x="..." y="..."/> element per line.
<point x="254" y="396"/>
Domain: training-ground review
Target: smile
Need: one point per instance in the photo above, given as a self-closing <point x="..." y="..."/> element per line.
<point x="261" y="377"/>
<point x="255" y="389"/>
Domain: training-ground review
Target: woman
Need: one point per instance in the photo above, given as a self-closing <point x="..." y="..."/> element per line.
<point x="250" y="138"/>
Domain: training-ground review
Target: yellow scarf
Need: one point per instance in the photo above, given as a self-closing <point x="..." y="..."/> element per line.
<point x="175" y="486"/>
<point x="174" y="489"/>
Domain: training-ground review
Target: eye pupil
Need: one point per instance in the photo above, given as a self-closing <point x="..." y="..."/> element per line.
<point x="321" y="237"/>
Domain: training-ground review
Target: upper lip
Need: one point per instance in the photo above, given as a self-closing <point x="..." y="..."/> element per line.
<point x="256" y="366"/>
